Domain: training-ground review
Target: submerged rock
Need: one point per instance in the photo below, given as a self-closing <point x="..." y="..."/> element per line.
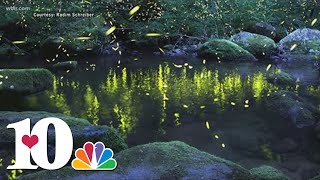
<point x="82" y="130"/>
<point x="302" y="42"/>
<point x="290" y="106"/>
<point x="224" y="50"/>
<point x="65" y="66"/>
<point x="280" y="78"/>
<point x="268" y="173"/>
<point x="260" y="46"/>
<point x="160" y="160"/>
<point x="24" y="81"/>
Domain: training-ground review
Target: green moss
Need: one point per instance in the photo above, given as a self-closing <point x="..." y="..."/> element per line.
<point x="315" y="45"/>
<point x="25" y="81"/>
<point x="173" y="159"/>
<point x="303" y="46"/>
<point x="160" y="160"/>
<point x="224" y="50"/>
<point x="280" y="78"/>
<point x="268" y="173"/>
<point x="266" y="152"/>
<point x="260" y="46"/>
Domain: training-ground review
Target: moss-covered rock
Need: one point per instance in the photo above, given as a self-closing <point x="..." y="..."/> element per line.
<point x="260" y="46"/>
<point x="261" y="28"/>
<point x="82" y="130"/>
<point x="268" y="173"/>
<point x="224" y="50"/>
<point x="302" y="35"/>
<point x="290" y="106"/>
<point x="65" y="66"/>
<point x="316" y="178"/>
<point x="280" y="78"/>
<point x="24" y="81"/>
<point x="276" y="33"/>
<point x="302" y="42"/>
<point x="160" y="160"/>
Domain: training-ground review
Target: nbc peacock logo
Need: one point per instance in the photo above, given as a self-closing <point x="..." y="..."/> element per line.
<point x="94" y="157"/>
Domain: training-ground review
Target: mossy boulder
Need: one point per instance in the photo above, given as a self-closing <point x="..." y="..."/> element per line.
<point x="82" y="130"/>
<point x="316" y="178"/>
<point x="24" y="81"/>
<point x="280" y="78"/>
<point x="262" y="28"/>
<point x="302" y="42"/>
<point x="302" y="35"/>
<point x="276" y="33"/>
<point x="65" y="66"/>
<point x="268" y="173"/>
<point x="290" y="106"/>
<point x="160" y="160"/>
<point x="260" y="46"/>
<point x="224" y="50"/>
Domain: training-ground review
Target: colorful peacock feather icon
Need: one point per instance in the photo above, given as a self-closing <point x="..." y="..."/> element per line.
<point x="94" y="157"/>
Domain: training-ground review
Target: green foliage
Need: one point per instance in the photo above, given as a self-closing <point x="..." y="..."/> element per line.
<point x="170" y="18"/>
<point x="213" y="17"/>
<point x="266" y="152"/>
<point x="240" y="14"/>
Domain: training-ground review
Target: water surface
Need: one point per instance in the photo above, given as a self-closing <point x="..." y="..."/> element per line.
<point x="216" y="107"/>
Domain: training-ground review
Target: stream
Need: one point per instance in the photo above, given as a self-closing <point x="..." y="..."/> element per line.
<point x="215" y="107"/>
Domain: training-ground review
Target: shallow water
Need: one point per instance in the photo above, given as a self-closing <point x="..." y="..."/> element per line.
<point x="216" y="107"/>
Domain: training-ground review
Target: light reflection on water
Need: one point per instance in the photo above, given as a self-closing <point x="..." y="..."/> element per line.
<point x="216" y="108"/>
<point x="164" y="95"/>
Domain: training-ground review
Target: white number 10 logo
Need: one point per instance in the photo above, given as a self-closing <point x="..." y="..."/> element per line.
<point x="35" y="143"/>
